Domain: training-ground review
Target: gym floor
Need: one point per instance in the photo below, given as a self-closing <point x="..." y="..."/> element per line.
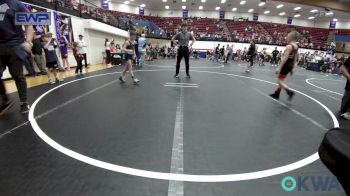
<point x="219" y="132"/>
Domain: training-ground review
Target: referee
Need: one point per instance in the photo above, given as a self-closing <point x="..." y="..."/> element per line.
<point x="15" y="49"/>
<point x="183" y="38"/>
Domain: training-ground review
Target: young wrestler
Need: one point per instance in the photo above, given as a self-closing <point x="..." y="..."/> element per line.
<point x="288" y="63"/>
<point x="130" y="55"/>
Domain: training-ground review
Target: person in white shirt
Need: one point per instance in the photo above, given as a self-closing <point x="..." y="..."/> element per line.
<point x="108" y="52"/>
<point x="142" y="44"/>
<point x="81" y="49"/>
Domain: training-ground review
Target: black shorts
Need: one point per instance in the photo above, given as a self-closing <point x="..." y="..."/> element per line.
<point x="286" y="69"/>
<point x="51" y="64"/>
<point x="128" y="57"/>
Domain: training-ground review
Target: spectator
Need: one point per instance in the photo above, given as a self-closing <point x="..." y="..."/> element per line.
<point x="82" y="51"/>
<point x="108" y="51"/>
<point x="64" y="53"/>
<point x="142" y="43"/>
<point x="79" y="58"/>
<point x="51" y="57"/>
<point x="38" y="52"/>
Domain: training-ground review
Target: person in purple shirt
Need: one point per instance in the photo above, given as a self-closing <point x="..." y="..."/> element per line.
<point x="64" y="53"/>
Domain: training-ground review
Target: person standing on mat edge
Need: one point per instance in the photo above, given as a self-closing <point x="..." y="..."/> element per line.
<point x="250" y="55"/>
<point x="130" y="55"/>
<point x="345" y="103"/>
<point x="142" y="49"/>
<point x="82" y="51"/>
<point x="275" y="57"/>
<point x="289" y="61"/>
<point x="15" y="48"/>
<point x="183" y="38"/>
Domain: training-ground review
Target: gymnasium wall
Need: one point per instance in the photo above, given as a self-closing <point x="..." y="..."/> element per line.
<point x="95" y="40"/>
<point x="159" y="42"/>
<point x="95" y="34"/>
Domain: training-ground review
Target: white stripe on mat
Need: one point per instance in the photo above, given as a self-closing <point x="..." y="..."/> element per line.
<point x="176" y="188"/>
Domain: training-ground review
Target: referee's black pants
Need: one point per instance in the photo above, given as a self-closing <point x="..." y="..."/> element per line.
<point x="183" y="52"/>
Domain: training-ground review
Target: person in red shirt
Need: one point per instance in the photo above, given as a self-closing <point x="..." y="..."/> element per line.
<point x="79" y="58"/>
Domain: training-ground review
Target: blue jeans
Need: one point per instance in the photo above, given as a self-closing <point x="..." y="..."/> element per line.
<point x="142" y="58"/>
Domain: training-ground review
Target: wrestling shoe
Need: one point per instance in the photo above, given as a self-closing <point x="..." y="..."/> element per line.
<point x="345" y="116"/>
<point x="136" y="81"/>
<point x="58" y="80"/>
<point x="290" y="95"/>
<point x="121" y="79"/>
<point x="24" y="108"/>
<point x="275" y="96"/>
<point x="51" y="81"/>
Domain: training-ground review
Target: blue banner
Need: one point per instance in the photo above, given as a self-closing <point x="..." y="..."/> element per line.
<point x="185" y="13"/>
<point x="289" y="20"/>
<point x="58" y="19"/>
<point x="256" y="17"/>
<point x="105" y="4"/>
<point x="332" y="24"/>
<point x="142" y="11"/>
<point x="222" y="14"/>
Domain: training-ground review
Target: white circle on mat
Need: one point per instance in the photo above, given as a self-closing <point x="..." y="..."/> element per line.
<point x="171" y="176"/>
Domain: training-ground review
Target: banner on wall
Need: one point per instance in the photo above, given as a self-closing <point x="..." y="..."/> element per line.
<point x="185" y="13"/>
<point x="256" y="17"/>
<point x="39" y="29"/>
<point x="63" y="27"/>
<point x="222" y="14"/>
<point x="332" y="24"/>
<point x="142" y="11"/>
<point x="105" y="4"/>
<point x="289" y="20"/>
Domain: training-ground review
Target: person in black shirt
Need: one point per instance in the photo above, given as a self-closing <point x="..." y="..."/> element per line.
<point x="345" y="104"/>
<point x="222" y="53"/>
<point x="274" y="57"/>
<point x="217" y="53"/>
<point x="288" y="63"/>
<point x="15" y="51"/>
<point x="38" y="51"/>
<point x="184" y="37"/>
<point x="250" y="55"/>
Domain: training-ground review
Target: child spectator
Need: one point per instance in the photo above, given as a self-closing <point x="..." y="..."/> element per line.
<point x="79" y="58"/>
<point x="50" y="46"/>
<point x="64" y="53"/>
